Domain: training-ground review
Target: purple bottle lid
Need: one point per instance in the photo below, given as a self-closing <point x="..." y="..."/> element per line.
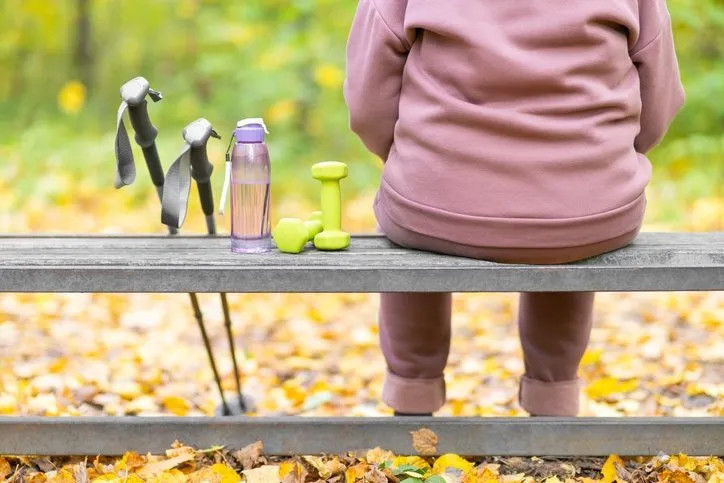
<point x="250" y="131"/>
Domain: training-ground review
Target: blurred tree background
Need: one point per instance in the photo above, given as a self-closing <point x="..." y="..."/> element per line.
<point x="63" y="61"/>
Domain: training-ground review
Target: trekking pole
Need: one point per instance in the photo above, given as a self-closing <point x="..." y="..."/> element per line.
<point x="193" y="162"/>
<point x="133" y="95"/>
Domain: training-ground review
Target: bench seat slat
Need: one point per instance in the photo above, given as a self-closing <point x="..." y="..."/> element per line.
<point x="654" y="262"/>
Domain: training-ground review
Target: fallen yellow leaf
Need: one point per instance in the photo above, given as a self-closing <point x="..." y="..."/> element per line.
<point x="106" y="477"/>
<point x="62" y="476"/>
<point x="355" y="472"/>
<point x="451" y="460"/>
<point x="689" y="463"/>
<point x="227" y="474"/>
<point x="292" y="472"/>
<point x="177" y="405"/>
<point x="36" y="478"/>
<point x="606" y="386"/>
<point x="5" y="468"/>
<point x="172" y="476"/>
<point x="130" y="461"/>
<point x="286" y="467"/>
<point x="481" y="475"/>
<point x="676" y="476"/>
<point x="591" y="356"/>
<point x="609" y="471"/>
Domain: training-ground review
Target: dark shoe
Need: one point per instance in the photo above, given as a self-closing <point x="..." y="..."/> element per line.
<point x="421" y="415"/>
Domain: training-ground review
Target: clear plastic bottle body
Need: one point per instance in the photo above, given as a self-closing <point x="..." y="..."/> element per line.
<point x="250" y="198"/>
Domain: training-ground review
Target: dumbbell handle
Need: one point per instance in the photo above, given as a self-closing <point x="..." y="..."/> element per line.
<point x="331" y="205"/>
<point x="313" y="226"/>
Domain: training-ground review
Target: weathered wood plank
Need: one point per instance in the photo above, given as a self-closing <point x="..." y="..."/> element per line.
<point x="655" y="261"/>
<point x="294" y="435"/>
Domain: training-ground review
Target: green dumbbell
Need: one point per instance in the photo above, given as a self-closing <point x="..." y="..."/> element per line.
<point x="291" y="234"/>
<point x="332" y="237"/>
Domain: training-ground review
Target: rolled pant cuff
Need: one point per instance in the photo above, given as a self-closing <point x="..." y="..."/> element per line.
<point x="407" y="395"/>
<point x="559" y="398"/>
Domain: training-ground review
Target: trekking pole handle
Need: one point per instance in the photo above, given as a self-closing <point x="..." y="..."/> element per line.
<point x="134" y="94"/>
<point x="146" y="138"/>
<point x="135" y="91"/>
<point x="197" y="135"/>
<point x="146" y="132"/>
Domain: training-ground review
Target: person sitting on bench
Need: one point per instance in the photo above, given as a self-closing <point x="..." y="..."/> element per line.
<point x="512" y="131"/>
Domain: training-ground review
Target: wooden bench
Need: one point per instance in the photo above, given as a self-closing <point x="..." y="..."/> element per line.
<point x="655" y="262"/>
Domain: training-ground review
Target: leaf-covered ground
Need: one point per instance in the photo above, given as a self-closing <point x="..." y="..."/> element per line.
<point x="90" y="354"/>
<point x="651" y="354"/>
<point x="221" y="465"/>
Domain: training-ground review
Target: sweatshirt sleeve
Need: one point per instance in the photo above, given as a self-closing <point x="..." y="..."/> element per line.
<point x="662" y="94"/>
<point x="376" y="54"/>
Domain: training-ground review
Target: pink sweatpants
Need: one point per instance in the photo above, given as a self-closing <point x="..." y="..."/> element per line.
<point x="554" y="330"/>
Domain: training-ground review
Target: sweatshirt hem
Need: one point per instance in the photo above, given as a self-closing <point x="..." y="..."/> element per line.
<point x="496" y="232"/>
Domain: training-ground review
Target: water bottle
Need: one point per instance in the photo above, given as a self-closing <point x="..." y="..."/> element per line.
<point x="248" y="173"/>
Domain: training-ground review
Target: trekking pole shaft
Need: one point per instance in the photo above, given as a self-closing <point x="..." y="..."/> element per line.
<point x="232" y="349"/>
<point x="200" y="319"/>
<point x="201" y="171"/>
<point x="153" y="161"/>
<point x="207" y="204"/>
<point x="172" y="230"/>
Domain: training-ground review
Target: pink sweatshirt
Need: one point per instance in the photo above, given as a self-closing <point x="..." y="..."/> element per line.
<point x="513" y="123"/>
